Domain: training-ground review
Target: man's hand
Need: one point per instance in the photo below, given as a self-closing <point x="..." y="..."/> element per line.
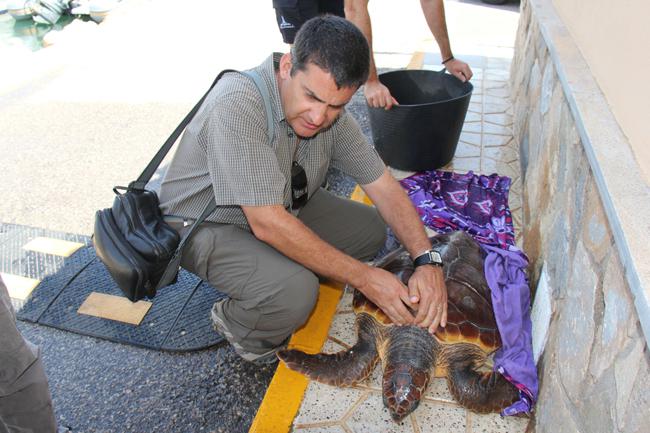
<point x="378" y="95"/>
<point x="459" y="69"/>
<point x="427" y="284"/>
<point x="387" y="292"/>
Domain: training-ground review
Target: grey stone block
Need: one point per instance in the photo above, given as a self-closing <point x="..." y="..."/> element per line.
<point x="597" y="408"/>
<point x="576" y="325"/>
<point x="554" y="412"/>
<point x="596" y="233"/>
<point x="633" y="409"/>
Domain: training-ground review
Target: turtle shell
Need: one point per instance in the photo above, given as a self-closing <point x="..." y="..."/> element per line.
<point x="470" y="317"/>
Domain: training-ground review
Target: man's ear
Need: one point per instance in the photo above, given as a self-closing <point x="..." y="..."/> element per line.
<point x="285" y="66"/>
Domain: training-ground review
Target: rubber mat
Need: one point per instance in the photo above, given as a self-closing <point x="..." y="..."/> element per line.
<point x="178" y="320"/>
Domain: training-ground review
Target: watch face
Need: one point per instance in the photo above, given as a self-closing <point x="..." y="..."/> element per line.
<point x="435" y="256"/>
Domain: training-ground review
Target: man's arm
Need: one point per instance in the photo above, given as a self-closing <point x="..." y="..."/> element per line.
<point x="287" y="234"/>
<point x="434" y="13"/>
<point x="427" y="283"/>
<point x="376" y="93"/>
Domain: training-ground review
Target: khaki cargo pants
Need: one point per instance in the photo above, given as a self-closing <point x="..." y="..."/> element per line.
<point x="270" y="295"/>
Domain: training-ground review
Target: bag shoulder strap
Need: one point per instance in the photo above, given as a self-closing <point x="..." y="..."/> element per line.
<point x="257" y="79"/>
<point x="270" y="121"/>
<point x="150" y="169"/>
<point x="174" y="263"/>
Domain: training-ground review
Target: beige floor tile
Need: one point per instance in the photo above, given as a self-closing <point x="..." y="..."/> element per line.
<point x="498" y="119"/>
<point x="492" y="99"/>
<point x="516" y="220"/>
<point x="475" y="127"/>
<point x="500" y="74"/>
<point x="400" y="174"/>
<point x="494" y="423"/>
<point x="472" y="117"/>
<point x="501" y="153"/>
<point x="325" y="403"/>
<point x="342" y="328"/>
<point x="464" y="150"/>
<point x="490" y="84"/>
<point x="329" y="429"/>
<point x="372" y="417"/>
<point x="471" y="138"/>
<point x="438" y="390"/>
<point x="475" y="107"/>
<point x="434" y="417"/>
<point x="490" y="140"/>
<point x="345" y="304"/>
<point x="502" y="92"/>
<point x="332" y="346"/>
<point x="498" y="63"/>
<point x="495" y="107"/>
<point x="519" y="239"/>
<point x="463" y="165"/>
<point x="489" y="166"/>
<point x="514" y="201"/>
<point x="490" y="128"/>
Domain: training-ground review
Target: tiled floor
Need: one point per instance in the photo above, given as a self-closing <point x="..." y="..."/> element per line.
<point x="486" y="146"/>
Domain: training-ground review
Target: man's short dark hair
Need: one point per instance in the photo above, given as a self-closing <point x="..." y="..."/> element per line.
<point x="336" y="46"/>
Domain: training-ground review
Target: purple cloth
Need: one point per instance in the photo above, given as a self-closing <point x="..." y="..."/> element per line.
<point x="478" y="205"/>
<point x="505" y="274"/>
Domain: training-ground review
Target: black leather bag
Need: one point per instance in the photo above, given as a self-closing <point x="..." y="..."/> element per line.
<point x="135" y="243"/>
<point x="140" y="250"/>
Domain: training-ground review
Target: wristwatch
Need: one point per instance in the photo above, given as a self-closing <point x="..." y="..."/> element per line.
<point x="429" y="257"/>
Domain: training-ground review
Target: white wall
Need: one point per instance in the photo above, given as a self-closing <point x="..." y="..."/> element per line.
<point x="614" y="38"/>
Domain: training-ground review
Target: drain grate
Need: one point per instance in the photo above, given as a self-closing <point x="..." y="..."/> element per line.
<point x="179" y="319"/>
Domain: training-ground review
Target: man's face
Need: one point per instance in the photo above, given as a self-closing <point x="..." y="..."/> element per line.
<point x="310" y="98"/>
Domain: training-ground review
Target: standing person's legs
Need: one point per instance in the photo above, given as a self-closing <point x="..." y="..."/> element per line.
<point x="334" y="7"/>
<point x="25" y="402"/>
<point x="292" y="14"/>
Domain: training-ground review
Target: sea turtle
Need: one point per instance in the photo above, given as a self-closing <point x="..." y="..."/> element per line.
<point x="409" y="354"/>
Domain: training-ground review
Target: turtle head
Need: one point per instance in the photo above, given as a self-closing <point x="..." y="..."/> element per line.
<point x="403" y="386"/>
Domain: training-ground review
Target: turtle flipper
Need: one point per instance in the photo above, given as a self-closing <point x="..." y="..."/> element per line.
<point x="344" y="368"/>
<point x="481" y="392"/>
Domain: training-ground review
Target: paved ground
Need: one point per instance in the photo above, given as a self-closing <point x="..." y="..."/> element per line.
<point x="88" y="113"/>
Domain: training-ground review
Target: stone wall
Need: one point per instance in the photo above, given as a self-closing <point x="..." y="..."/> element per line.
<point x="595" y="368"/>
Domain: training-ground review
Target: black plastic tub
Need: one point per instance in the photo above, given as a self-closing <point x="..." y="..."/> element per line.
<point x="421" y="133"/>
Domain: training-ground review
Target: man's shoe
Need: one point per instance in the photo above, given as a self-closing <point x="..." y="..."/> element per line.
<point x="266" y="358"/>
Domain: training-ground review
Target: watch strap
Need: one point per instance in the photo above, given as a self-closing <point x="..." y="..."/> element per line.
<point x="429" y="257"/>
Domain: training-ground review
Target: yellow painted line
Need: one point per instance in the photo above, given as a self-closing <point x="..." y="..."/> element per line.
<point x="287" y="388"/>
<point x="360" y="196"/>
<point x="19" y="287"/>
<point x="58" y="247"/>
<point x="417" y="60"/>
<point x="115" y="308"/>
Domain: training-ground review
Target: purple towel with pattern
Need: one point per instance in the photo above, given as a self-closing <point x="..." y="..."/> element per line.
<point x="478" y="204"/>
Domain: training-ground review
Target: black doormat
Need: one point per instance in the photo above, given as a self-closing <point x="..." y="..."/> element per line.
<point x="178" y="320"/>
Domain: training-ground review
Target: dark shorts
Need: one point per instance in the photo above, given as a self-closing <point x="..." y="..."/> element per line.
<point x="292" y="14"/>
